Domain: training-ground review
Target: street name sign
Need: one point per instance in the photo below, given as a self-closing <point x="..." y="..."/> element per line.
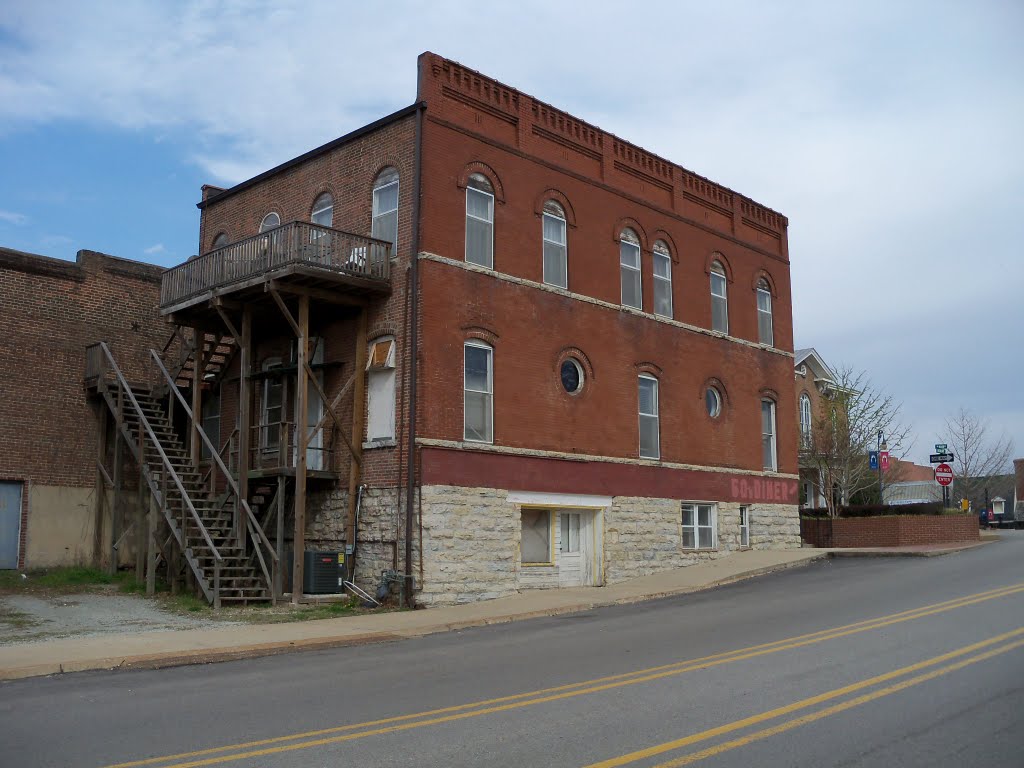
<point x="940" y="458"/>
<point x="943" y="474"/>
<point x="941" y="447"/>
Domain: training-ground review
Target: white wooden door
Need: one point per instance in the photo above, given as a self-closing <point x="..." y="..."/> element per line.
<point x="569" y="566"/>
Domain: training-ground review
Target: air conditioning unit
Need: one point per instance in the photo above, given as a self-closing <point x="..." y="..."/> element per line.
<point x="323" y="572"/>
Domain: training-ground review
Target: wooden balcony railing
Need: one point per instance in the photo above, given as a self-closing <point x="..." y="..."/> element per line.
<point x="297" y="242"/>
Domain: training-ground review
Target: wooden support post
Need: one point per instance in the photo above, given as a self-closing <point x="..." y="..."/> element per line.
<point x="101" y="486"/>
<point x="301" y="442"/>
<point x="115" y="512"/>
<point x="197" y="395"/>
<point x="356" y="445"/>
<point x="281" y="562"/>
<point x="151" y="550"/>
<point x="140" y="514"/>
<point x="245" y="401"/>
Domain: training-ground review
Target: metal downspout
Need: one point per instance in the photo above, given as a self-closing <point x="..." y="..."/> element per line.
<point x="410" y="487"/>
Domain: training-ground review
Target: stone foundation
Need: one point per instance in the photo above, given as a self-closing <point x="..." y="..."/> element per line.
<point x="472" y="536"/>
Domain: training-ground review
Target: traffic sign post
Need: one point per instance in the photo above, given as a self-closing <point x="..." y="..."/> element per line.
<point x="944" y="477"/>
<point x="940" y="458"/>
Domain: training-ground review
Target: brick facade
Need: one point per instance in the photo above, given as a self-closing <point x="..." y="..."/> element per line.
<point x="889" y="531"/>
<point x="50" y="311"/>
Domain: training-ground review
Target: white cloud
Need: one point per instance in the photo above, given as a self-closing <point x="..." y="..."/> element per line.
<point x="12" y="217"/>
<point x="887" y="133"/>
<point x="153" y="250"/>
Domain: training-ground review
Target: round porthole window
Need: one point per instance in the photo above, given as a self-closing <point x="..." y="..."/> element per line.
<point x="571" y="373"/>
<point x="713" y="402"/>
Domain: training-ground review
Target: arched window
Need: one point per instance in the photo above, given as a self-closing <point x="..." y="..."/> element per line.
<point x="478" y="392"/>
<point x="662" y="279"/>
<point x="555" y="249"/>
<point x="764" y="313"/>
<point x="220" y="240"/>
<point x="768" y="450"/>
<point x="629" y="266"/>
<point x="385" y="207"/>
<point x="323" y="210"/>
<point x="719" y="299"/>
<point x="480" y="221"/>
<point x="270" y="221"/>
<point x="805" y="418"/>
<point x="647" y="396"/>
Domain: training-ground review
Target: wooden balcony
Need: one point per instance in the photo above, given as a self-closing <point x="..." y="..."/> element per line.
<point x="297" y="254"/>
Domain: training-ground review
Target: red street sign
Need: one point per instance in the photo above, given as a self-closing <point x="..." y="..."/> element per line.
<point x="883" y="460"/>
<point x="943" y="474"/>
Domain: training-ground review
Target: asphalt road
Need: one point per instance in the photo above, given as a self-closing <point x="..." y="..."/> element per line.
<point x="850" y="662"/>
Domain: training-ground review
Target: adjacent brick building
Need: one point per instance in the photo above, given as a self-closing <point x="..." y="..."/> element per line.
<point x="49" y="311"/>
<point x="537" y="354"/>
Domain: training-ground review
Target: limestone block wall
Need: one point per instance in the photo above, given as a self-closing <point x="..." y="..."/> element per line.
<point x="471" y="540"/>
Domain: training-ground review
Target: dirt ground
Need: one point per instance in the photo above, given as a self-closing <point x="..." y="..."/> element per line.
<point x="32" y="617"/>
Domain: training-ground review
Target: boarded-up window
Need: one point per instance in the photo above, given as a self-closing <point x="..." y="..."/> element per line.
<point x="536" y="542"/>
<point x="380" y="390"/>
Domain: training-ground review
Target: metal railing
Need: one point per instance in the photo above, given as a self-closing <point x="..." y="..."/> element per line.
<point x="100" y="362"/>
<point x="297" y="242"/>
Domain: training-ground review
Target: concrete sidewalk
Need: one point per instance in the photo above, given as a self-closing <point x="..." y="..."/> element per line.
<point x="161" y="649"/>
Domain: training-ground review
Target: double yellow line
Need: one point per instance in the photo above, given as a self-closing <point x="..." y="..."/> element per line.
<point x="338" y="734"/>
<point x="669" y="746"/>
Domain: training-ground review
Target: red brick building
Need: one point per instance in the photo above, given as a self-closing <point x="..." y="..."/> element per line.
<point x="481" y="345"/>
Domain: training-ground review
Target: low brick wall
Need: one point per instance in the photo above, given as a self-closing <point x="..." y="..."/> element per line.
<point x="889" y="531"/>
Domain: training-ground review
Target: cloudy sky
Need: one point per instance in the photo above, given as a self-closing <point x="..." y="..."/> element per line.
<point x="890" y="133"/>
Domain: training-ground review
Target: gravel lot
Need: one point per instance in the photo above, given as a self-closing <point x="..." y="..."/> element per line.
<point x="31" y="618"/>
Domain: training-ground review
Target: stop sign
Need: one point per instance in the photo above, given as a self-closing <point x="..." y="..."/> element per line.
<point x="944" y="474"/>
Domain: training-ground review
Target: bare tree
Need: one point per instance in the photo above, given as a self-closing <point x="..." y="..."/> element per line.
<point x="848" y="426"/>
<point x="979" y="455"/>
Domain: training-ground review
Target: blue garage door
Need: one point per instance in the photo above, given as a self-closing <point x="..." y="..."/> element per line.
<point x="10" y="523"/>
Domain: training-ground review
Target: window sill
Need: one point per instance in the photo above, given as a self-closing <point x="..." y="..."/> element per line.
<point x="537" y="565"/>
<point x="387" y="442"/>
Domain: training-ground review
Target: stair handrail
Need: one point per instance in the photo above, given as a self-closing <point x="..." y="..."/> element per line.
<point x="213" y="451"/>
<point x="160" y="449"/>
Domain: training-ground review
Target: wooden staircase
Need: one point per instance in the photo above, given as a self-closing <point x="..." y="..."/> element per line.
<point x="205" y="524"/>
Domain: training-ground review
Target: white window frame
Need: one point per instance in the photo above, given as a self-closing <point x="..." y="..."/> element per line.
<point x="629" y="242"/>
<point x="489" y="393"/>
<point x="380" y="390"/>
<point x="718" y="276"/>
<point x="805" y="418"/>
<point x="765" y="314"/>
<point x="718" y="402"/>
<point x="695" y="528"/>
<point x="650" y="416"/>
<point x="270" y="381"/>
<point x="266" y="223"/>
<point x="769" y="437"/>
<point x="559" y="281"/>
<point x="319" y="209"/>
<point x="386" y="178"/>
<point x="744" y="525"/>
<point x="476" y="190"/>
<point x="664" y="282"/>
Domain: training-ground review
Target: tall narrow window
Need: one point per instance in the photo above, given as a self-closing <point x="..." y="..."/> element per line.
<point x="323" y="210"/>
<point x="719" y="299"/>
<point x="662" y="280"/>
<point x="555" y="252"/>
<point x="270" y="221"/>
<point x="479" y="392"/>
<point x="211" y="421"/>
<point x="648" y="401"/>
<point x="744" y="526"/>
<point x="768" y="435"/>
<point x="480" y="221"/>
<point x="385" y="207"/>
<point x="805" y="419"/>
<point x="273" y="406"/>
<point x="764" y="313"/>
<point x="380" y="380"/>
<point x="629" y="266"/>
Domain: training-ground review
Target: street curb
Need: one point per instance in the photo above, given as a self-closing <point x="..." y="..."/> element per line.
<point x="896" y="552"/>
<point x="237" y="653"/>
